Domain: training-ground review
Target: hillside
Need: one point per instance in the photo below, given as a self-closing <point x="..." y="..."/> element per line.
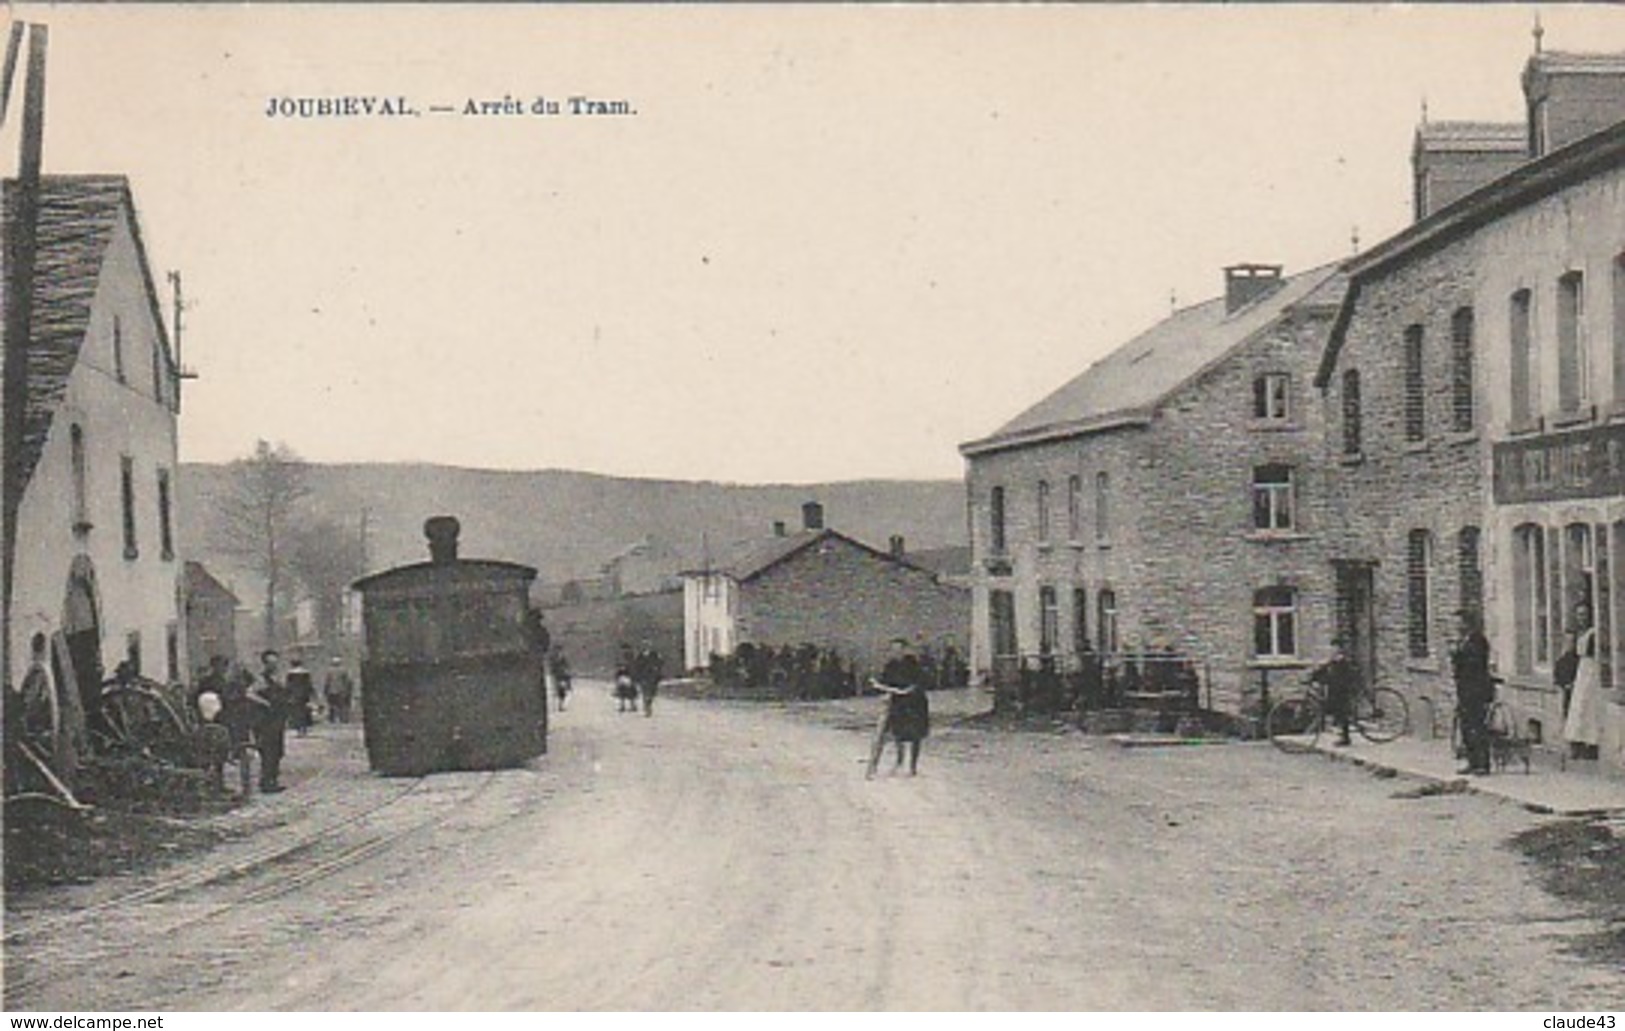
<point x="567" y="524"/>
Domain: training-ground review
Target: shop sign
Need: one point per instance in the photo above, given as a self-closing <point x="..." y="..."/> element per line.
<point x="1587" y="463"/>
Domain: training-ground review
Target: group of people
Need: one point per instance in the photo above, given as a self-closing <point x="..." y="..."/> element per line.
<point x="637" y="678"/>
<point x="238" y="709"/>
<point x="1575" y="674"/>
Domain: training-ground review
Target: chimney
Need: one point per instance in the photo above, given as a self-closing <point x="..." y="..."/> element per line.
<point x="812" y="516"/>
<point x="895" y="545"/>
<point x="1570" y="96"/>
<point x="1244" y="284"/>
<point x="442" y="532"/>
<point x="778" y="527"/>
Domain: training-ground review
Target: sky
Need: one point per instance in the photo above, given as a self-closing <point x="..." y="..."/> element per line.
<point x="832" y="242"/>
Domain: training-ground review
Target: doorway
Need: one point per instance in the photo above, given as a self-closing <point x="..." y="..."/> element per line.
<point x="1356" y="620"/>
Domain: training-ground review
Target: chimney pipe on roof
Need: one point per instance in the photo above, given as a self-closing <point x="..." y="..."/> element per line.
<point x="1246" y="283"/>
<point x="442" y="532"/>
<point x="812" y="516"/>
<point x="896" y="545"/>
<point x="778" y="527"/>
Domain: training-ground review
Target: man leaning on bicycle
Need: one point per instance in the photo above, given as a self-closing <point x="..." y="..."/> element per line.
<point x="1340" y="679"/>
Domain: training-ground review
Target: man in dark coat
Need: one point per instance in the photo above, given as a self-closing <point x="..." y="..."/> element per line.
<point x="908" y="713"/>
<point x="647" y="669"/>
<point x="269" y="696"/>
<point x="301" y="696"/>
<point x="1475" y="690"/>
<point x="1341" y="680"/>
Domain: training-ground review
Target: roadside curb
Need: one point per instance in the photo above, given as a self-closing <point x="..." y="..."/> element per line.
<point x="1470" y="786"/>
<point x="1162" y="740"/>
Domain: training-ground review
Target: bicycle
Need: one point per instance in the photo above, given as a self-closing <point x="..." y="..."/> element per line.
<point x="1295" y="724"/>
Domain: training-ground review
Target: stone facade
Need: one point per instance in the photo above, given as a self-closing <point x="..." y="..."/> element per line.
<point x="834" y="593"/>
<point x="1165" y="540"/>
<point x="1525" y="508"/>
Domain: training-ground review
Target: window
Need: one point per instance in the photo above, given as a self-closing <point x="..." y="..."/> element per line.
<point x="1103" y="521"/>
<point x="1419" y="593"/>
<point x="1573" y="363"/>
<point x="1415" y="399"/>
<point x="172" y="653"/>
<point x="1531" y="620"/>
<point x="166" y="533"/>
<point x="1080" y="620"/>
<point x="1043" y="511"/>
<point x="1002" y="613"/>
<point x="1470" y="570"/>
<point x="118" y="350"/>
<point x="81" y="476"/>
<point x="1275" y="623"/>
<point x="1619" y="331"/>
<point x="1270" y="397"/>
<point x="157" y="371"/>
<point x="1049" y="621"/>
<point x="1074" y="508"/>
<point x="1461" y="370"/>
<point x="127" y="493"/>
<point x="1272" y="498"/>
<point x="995" y="515"/>
<point x="1106" y="621"/>
<point x="1539" y="128"/>
<point x="1523" y="359"/>
<point x="1351" y="412"/>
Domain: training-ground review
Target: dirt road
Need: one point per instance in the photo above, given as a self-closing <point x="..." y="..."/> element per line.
<point x="733" y="857"/>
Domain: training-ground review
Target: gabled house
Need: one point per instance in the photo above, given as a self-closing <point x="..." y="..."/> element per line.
<point x="1168" y="498"/>
<point x="97" y="569"/>
<point x="211" y="617"/>
<point x="819" y="587"/>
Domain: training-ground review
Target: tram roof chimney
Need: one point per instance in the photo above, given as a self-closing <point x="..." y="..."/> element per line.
<point x="442" y="532"/>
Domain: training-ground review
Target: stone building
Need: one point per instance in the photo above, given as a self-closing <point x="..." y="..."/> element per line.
<point x="1169" y="497"/>
<point x="97" y="570"/>
<point x="1476" y="376"/>
<point x="819" y="587"/>
<point x="211" y="617"/>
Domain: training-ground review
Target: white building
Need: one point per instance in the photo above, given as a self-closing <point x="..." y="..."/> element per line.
<point x="97" y="566"/>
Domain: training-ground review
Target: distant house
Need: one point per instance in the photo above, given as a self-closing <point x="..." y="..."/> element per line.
<point x="96" y="568"/>
<point x="647" y="567"/>
<point x="211" y="617"/>
<point x="820" y="587"/>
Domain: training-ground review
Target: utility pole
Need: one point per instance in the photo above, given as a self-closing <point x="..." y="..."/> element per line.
<point x="181" y="371"/>
<point x="20" y="253"/>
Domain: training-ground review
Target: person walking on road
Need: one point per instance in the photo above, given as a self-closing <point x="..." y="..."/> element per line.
<point x="1475" y="690"/>
<point x="562" y="682"/>
<point x="338" y="690"/>
<point x="907" y="715"/>
<point x="1583" y="728"/>
<point x="647" y="669"/>
<point x="269" y="695"/>
<point x="301" y="695"/>
<point x="1341" y="680"/>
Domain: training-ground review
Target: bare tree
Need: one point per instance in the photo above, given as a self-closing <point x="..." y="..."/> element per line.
<point x="324" y="557"/>
<point x="253" y="514"/>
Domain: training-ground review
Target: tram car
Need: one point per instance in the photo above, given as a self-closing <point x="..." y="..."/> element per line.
<point x="451" y="678"/>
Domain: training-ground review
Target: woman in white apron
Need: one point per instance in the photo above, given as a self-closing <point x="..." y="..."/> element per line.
<point x="1583" y="728"/>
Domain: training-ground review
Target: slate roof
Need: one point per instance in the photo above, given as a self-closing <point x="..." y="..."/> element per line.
<point x="1566" y="63"/>
<point x="199" y="581"/>
<point x="77" y="218"/>
<point x="1126" y="386"/>
<point x="1472" y="137"/>
<point x="749" y="559"/>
